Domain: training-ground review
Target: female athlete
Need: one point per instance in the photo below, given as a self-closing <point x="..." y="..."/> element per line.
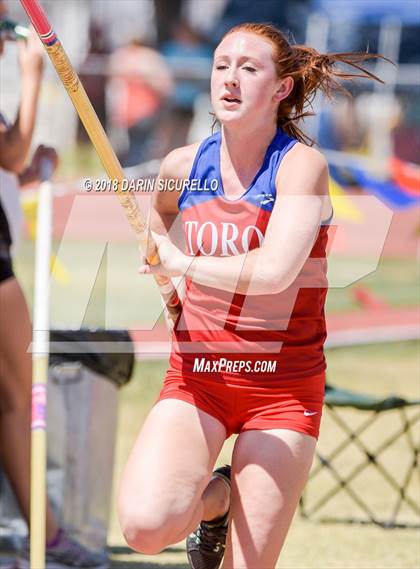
<point x="247" y="351"/>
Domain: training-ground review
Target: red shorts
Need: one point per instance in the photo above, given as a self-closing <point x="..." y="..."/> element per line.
<point x="296" y="405"/>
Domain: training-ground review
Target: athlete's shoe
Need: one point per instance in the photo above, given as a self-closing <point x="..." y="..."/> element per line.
<point x="66" y="554"/>
<point x="206" y="546"/>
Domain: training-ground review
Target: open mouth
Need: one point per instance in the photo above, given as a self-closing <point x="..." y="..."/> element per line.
<point x="230" y="99"/>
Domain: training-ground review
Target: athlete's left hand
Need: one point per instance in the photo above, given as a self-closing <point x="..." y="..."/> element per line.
<point x="173" y="262"/>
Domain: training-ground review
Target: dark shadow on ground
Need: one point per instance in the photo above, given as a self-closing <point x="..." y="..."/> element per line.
<point x="145" y="565"/>
<point x="124" y="550"/>
<point x="137" y="563"/>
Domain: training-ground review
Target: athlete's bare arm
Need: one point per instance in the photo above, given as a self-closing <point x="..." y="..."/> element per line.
<point x="15" y="141"/>
<point x="164" y="218"/>
<point x="176" y="166"/>
<point x="302" y="203"/>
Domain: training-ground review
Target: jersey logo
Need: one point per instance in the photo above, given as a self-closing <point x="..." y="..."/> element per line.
<point x="266" y="198"/>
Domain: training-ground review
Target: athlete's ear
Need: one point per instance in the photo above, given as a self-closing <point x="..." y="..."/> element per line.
<point x="285" y="87"/>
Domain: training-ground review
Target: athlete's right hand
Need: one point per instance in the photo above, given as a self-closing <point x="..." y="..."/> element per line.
<point x="173" y="262"/>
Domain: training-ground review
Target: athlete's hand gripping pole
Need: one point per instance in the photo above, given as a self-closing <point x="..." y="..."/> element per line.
<point x="102" y="145"/>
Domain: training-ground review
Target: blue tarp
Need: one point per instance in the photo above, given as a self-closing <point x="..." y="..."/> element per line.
<point x="370" y="12"/>
<point x="391" y="194"/>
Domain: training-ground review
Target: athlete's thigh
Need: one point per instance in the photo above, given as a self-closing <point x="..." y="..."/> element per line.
<point x="269" y="471"/>
<point x="172" y="460"/>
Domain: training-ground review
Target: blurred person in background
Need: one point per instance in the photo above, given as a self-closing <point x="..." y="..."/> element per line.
<point x="15" y="324"/>
<point x="93" y="75"/>
<point x="288" y="15"/>
<point x="166" y="13"/>
<point x="188" y="56"/>
<point x="140" y="84"/>
<point x="340" y="125"/>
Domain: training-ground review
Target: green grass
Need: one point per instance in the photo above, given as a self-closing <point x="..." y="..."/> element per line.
<point x="78" y="161"/>
<point x="99" y="290"/>
<point x="378" y="369"/>
<point x="395" y="281"/>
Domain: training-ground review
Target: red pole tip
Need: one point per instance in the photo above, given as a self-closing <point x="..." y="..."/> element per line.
<point x="39" y="21"/>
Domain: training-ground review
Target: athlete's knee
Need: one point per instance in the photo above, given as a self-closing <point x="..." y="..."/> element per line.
<point x="142" y="537"/>
<point x="146" y="531"/>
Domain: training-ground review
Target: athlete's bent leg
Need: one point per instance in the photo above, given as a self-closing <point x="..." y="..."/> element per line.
<point x="269" y="471"/>
<point x="161" y="491"/>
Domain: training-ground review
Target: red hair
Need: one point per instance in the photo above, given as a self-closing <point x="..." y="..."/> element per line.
<point x="311" y="71"/>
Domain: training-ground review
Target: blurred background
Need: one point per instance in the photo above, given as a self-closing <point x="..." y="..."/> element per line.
<point x="145" y="65"/>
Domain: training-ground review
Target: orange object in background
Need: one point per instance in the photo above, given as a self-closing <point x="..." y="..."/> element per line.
<point x="141" y="83"/>
<point x="367" y="299"/>
<point x="406" y="175"/>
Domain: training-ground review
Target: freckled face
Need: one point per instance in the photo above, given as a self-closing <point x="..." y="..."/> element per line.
<point x="244" y="80"/>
